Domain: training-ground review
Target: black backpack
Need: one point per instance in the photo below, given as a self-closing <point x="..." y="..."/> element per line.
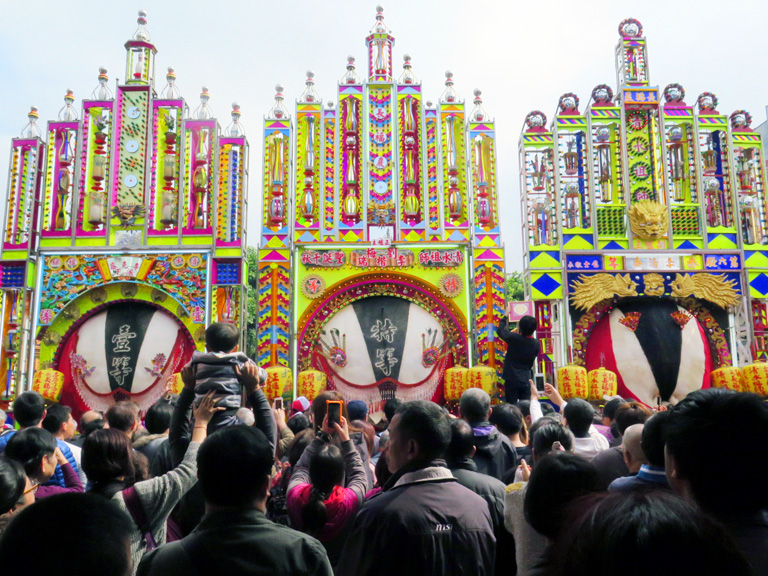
<point x="277" y="504"/>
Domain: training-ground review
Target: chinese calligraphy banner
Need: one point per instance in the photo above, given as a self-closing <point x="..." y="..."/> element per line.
<point x="124" y="334"/>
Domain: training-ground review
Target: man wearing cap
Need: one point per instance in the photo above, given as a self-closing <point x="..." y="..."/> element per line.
<point x="357" y="410"/>
<point x="301" y="404"/>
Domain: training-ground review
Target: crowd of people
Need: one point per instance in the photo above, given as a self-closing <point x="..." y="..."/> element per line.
<point x="533" y="487"/>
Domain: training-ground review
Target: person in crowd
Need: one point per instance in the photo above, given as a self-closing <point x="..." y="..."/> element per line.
<point x="108" y="463"/>
<point x="39" y="454"/>
<point x="4" y="425"/>
<point x="285" y="433"/>
<point x="609" y="419"/>
<point x="577" y="415"/>
<point x="216" y="371"/>
<point x="358" y="410"/>
<point x="557" y="480"/>
<point x="494" y="453"/>
<point x="610" y="463"/>
<point x="277" y="504"/>
<point x="390" y="408"/>
<point x="327" y="488"/>
<point x="89" y="422"/>
<point x="459" y="459"/>
<point x="560" y="434"/>
<point x="69" y="534"/>
<point x="522" y="350"/>
<point x="651" y="475"/>
<point x="382" y="476"/>
<point x="59" y="422"/>
<point x="191" y="508"/>
<point x="423" y="522"/>
<point x="644" y="532"/>
<point x="634" y="457"/>
<point x="510" y="421"/>
<point x="301" y="405"/>
<point x="235" y="537"/>
<point x="124" y="417"/>
<point x="298" y="422"/>
<point x="733" y="426"/>
<point x="288" y="430"/>
<point x="29" y="412"/>
<point x="371" y="441"/>
<point x="525" y="408"/>
<point x="319" y="409"/>
<point x="157" y="422"/>
<point x="17" y="491"/>
<point x="547" y="434"/>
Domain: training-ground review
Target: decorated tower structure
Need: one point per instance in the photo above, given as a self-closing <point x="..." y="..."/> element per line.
<point x="646" y="246"/>
<point x="380" y="263"/>
<point x="124" y="237"/>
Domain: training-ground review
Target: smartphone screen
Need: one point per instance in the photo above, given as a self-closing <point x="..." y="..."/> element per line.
<point x="540" y="380"/>
<point x="279" y="403"/>
<point x="334" y="412"/>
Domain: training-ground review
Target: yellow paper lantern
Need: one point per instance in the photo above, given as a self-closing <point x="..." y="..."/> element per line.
<point x="49" y="384"/>
<point x="176" y="384"/>
<point x="482" y="376"/>
<point x="756" y="378"/>
<point x="572" y="382"/>
<point x="602" y="382"/>
<point x="311" y="383"/>
<point x="278" y="377"/>
<point x="727" y="377"/>
<point x="455" y="382"/>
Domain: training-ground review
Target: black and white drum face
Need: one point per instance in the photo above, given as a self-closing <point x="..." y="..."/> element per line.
<point x="126" y="346"/>
<point x="658" y="358"/>
<point x="382" y="337"/>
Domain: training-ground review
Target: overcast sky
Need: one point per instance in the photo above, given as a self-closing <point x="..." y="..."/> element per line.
<point x="521" y="55"/>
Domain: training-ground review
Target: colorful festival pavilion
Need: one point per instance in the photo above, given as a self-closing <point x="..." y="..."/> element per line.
<point x="645" y="234"/>
<point x="124" y="237"/>
<point x="380" y="264"/>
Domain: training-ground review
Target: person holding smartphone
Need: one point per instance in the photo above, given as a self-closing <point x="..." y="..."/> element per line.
<point x="328" y="485"/>
<point x="522" y="350"/>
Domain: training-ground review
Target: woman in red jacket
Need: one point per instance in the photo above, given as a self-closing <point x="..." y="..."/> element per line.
<point x="320" y="501"/>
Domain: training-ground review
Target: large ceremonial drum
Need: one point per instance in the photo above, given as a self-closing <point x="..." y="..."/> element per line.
<point x="382" y="337"/>
<point x="651" y="354"/>
<point x="380" y="347"/>
<point x="311" y="383"/>
<point x="455" y="382"/>
<point x="728" y="377"/>
<point x="756" y="378"/>
<point x="572" y="382"/>
<point x="127" y="351"/>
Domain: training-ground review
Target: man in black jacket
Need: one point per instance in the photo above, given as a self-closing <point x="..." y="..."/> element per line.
<point x="495" y="454"/>
<point x="424" y="522"/>
<point x="459" y="458"/>
<point x="522" y="350"/>
<point x="235" y="537"/>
